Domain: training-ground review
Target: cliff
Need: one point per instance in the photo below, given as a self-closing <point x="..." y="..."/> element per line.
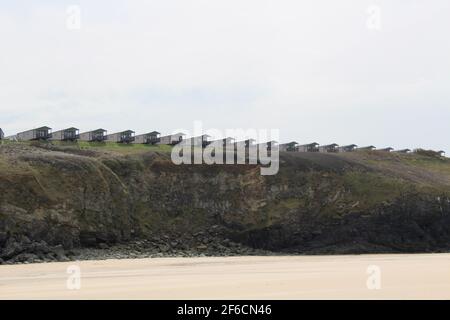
<point x="72" y="196"/>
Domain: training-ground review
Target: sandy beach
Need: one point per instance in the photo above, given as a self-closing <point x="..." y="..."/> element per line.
<point x="409" y="276"/>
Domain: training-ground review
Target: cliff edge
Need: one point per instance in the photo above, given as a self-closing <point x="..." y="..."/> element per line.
<point x="68" y="197"/>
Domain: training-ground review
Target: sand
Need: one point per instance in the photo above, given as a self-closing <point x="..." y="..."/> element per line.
<point x="409" y="276"/>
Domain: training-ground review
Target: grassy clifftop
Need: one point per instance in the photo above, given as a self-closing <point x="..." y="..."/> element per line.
<point x="85" y="195"/>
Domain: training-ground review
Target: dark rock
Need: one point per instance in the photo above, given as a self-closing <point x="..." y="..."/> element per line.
<point x="58" y="249"/>
<point x="40" y="247"/>
<point x="24" y="240"/>
<point x="11" y="249"/>
<point x="198" y="234"/>
<point x="101" y="198"/>
<point x="25" y="257"/>
<point x="103" y="246"/>
<point x="3" y="238"/>
<point x="164" y="248"/>
<point x="88" y="238"/>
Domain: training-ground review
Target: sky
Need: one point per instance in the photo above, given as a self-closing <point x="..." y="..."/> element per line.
<point x="350" y="71"/>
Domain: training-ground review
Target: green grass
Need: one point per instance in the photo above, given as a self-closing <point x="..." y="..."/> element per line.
<point x="292" y="203"/>
<point x="114" y="147"/>
<point x="121" y="148"/>
<point x="417" y="168"/>
<point x="371" y="188"/>
<point x="438" y="165"/>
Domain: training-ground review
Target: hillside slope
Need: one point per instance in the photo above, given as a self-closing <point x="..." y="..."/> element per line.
<point x="69" y="197"/>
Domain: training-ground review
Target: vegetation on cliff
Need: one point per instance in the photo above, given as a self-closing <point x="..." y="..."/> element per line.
<point x="75" y="195"/>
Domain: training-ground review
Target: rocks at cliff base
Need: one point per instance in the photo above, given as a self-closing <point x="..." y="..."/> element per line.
<point x="58" y="204"/>
<point x="23" y="250"/>
<point x="210" y="243"/>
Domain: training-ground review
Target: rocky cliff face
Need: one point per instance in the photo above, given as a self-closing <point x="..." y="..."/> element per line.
<point x="66" y="197"/>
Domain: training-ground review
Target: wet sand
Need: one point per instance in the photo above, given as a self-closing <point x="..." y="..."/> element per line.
<point x="410" y="276"/>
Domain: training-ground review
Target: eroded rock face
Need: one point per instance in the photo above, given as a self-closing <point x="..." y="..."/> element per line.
<point x="318" y="203"/>
<point x="412" y="224"/>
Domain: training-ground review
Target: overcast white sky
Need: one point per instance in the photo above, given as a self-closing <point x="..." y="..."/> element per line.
<point x="312" y="69"/>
